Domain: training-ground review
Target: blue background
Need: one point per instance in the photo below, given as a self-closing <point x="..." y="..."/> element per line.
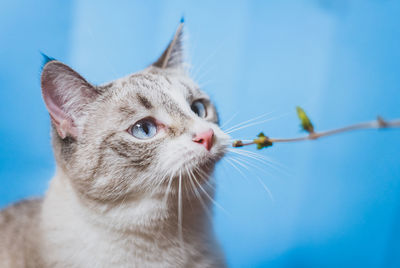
<point x="335" y="202"/>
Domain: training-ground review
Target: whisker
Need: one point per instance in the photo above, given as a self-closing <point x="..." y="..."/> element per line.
<point x="266" y="188"/>
<point x="198" y="195"/>
<point x="251" y="156"/>
<point x="239" y="163"/>
<point x="248" y="121"/>
<point x="180" y="216"/>
<point x="205" y="83"/>
<point x="258" y="178"/>
<point x="205" y="61"/>
<point x="262" y="159"/>
<point x="205" y="178"/>
<point x="229" y="120"/>
<point x="235" y="167"/>
<point x="166" y="195"/>
<point x="188" y="175"/>
<point x="209" y="70"/>
<point x="251" y="163"/>
<point x="249" y="125"/>
<point x="256" y="123"/>
<point x="210" y="198"/>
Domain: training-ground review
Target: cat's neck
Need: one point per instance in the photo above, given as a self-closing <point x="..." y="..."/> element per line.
<point x="78" y="236"/>
<point x="148" y="213"/>
<point x="114" y="236"/>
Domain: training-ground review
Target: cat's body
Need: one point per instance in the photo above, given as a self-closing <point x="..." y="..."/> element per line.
<point x="55" y="232"/>
<point x="19" y="234"/>
<point x="124" y="194"/>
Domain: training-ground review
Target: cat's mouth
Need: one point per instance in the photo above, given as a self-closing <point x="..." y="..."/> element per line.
<point x="189" y="159"/>
<point x="203" y="159"/>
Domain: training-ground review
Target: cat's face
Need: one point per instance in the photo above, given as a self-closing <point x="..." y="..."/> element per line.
<point x="142" y="132"/>
<point x="136" y="135"/>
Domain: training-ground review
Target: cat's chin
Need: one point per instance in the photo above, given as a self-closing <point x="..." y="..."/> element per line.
<point x="201" y="166"/>
<point x="203" y="157"/>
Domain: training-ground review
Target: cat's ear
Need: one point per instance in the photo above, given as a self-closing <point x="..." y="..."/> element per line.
<point x="173" y="56"/>
<point x="65" y="93"/>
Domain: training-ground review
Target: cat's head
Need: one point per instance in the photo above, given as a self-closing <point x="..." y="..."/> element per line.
<point x="136" y="135"/>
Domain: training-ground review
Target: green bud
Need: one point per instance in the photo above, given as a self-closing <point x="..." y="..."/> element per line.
<point x="304" y="120"/>
<point x="262" y="141"/>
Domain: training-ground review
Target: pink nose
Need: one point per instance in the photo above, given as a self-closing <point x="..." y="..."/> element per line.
<point x="205" y="138"/>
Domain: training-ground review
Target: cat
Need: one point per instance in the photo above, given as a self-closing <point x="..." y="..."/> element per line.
<point x="132" y="186"/>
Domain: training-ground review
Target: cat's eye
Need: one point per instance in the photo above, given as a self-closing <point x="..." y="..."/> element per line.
<point x="199" y="108"/>
<point x="144" y="129"/>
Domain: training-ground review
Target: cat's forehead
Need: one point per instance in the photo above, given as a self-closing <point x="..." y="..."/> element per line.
<point x="157" y="83"/>
<point x="152" y="92"/>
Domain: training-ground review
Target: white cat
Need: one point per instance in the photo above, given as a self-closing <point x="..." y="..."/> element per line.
<point x="132" y="187"/>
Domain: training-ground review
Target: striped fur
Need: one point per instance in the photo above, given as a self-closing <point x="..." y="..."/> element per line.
<point x="114" y="201"/>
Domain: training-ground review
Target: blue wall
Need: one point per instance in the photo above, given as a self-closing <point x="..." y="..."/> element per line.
<point x="335" y="202"/>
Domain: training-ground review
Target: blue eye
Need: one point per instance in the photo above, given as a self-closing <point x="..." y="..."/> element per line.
<point x="199" y="108"/>
<point x="144" y="129"/>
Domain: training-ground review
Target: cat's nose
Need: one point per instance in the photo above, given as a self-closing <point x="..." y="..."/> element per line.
<point x="205" y="138"/>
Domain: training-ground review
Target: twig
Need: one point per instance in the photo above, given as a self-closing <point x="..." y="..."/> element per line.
<point x="263" y="141"/>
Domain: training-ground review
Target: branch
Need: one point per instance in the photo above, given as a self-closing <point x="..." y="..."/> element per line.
<point x="263" y="141"/>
